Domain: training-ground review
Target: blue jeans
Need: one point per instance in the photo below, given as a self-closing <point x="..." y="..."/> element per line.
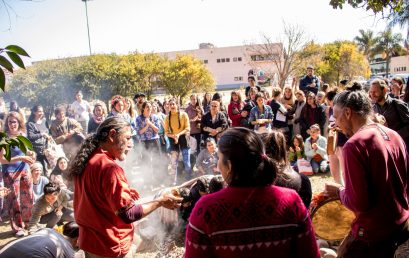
<point x="186" y="162"/>
<point x="321" y="166"/>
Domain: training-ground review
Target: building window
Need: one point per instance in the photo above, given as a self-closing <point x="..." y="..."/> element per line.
<point x="239" y="59"/>
<point x="238" y="78"/>
<point x="223" y="60"/>
<point x="227" y="60"/>
<point x="218" y="60"/>
<point x="264" y="57"/>
<point x="205" y="61"/>
<point x="404" y="69"/>
<point x="234" y="59"/>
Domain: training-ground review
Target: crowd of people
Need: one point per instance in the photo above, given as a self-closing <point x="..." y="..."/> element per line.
<point x="253" y="142"/>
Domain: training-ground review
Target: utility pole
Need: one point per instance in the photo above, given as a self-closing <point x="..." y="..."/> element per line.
<point x="86" y="14"/>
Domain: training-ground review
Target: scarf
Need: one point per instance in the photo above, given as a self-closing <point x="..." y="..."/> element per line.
<point x="98" y="119"/>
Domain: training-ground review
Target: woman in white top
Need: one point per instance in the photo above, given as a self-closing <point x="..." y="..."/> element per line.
<point x="81" y="109"/>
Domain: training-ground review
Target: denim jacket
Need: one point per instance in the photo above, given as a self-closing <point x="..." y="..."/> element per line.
<point x="256" y="114"/>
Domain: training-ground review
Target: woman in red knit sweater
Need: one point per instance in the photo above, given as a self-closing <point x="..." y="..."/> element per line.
<point x="251" y="217"/>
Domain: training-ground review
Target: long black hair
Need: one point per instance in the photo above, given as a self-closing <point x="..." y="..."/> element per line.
<point x="33" y="110"/>
<point x="93" y="142"/>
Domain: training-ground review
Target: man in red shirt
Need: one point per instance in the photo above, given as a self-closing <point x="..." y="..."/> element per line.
<point x="376" y="180"/>
<point x="103" y="201"/>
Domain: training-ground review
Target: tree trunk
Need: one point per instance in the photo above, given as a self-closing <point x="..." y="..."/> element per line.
<point x="388" y="60"/>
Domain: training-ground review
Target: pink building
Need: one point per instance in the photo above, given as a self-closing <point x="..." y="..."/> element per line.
<point x="399" y="65"/>
<point x="230" y="65"/>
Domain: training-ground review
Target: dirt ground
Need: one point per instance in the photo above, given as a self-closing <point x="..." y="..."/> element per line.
<point x="6" y="235"/>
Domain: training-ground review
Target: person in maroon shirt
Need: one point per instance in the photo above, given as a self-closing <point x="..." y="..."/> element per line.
<point x="103" y="200"/>
<point x="376" y="180"/>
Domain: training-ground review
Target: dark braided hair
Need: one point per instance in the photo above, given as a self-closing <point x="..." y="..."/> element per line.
<point x="355" y="99"/>
<point x="93" y="141"/>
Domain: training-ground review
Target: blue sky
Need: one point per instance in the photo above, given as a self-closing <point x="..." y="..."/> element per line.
<point x="57" y="28"/>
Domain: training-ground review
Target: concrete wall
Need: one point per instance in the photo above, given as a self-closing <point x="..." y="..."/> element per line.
<point x="229" y="65"/>
<point x="399" y="64"/>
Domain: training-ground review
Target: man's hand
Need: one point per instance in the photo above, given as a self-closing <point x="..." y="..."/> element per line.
<point x="170" y="201"/>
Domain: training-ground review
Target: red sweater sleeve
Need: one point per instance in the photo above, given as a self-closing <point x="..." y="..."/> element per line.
<point x="197" y="234"/>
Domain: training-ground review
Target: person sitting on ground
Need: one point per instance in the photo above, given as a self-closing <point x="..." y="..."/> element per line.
<point x="316" y="150"/>
<point x="206" y="162"/>
<point x="52" y="208"/>
<point x="39" y="181"/>
<point x="276" y="149"/>
<point x="45" y="242"/>
<point x="59" y="175"/>
<point x="296" y="151"/>
<point x="250" y="212"/>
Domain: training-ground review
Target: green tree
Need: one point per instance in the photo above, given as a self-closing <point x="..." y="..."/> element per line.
<point x="147" y="69"/>
<point x="377" y="6"/>
<point x="342" y="59"/>
<point x="8" y="56"/>
<point x="395" y="11"/>
<point x="311" y="54"/>
<point x="366" y="43"/>
<point x="389" y="44"/>
<point x="401" y="18"/>
<point x="185" y="75"/>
